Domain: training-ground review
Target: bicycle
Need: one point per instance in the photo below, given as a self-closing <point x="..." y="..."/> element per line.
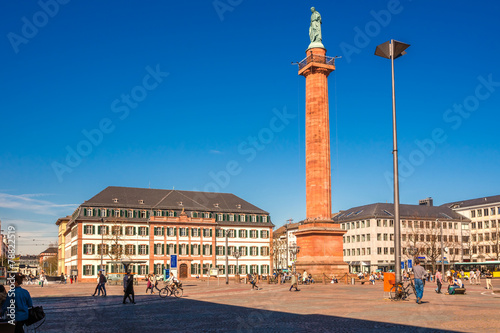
<point x="400" y="291"/>
<point x="173" y="289"/>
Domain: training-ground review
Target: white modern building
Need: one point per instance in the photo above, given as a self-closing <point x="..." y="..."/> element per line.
<point x="283" y="241"/>
<point x="484" y="214"/>
<point x="369" y="241"/>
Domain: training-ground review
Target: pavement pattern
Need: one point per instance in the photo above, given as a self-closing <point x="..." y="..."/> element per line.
<point x="238" y="308"/>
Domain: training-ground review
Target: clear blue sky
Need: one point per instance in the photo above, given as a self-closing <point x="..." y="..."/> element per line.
<point x="222" y="74"/>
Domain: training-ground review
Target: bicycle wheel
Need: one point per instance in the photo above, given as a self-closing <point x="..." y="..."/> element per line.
<point x="396" y="292"/>
<point x="164" y="292"/>
<point x="178" y="292"/>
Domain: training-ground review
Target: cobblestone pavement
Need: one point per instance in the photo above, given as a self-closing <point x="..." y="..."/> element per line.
<point x="237" y="308"/>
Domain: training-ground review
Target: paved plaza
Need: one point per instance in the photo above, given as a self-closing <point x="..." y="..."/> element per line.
<point x="237" y="308"/>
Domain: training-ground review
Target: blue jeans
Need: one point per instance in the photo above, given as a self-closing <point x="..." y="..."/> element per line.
<point x="419" y="288"/>
<point x="101" y="287"/>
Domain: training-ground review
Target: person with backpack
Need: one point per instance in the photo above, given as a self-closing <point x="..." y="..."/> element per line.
<point x="22" y="300"/>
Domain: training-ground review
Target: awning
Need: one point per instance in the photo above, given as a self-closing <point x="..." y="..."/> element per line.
<point x="354" y="263"/>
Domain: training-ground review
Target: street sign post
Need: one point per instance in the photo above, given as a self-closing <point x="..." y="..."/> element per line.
<point x="410" y="263"/>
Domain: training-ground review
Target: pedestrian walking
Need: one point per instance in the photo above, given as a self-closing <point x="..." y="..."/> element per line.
<point x="419" y="275"/>
<point x="42" y="279"/>
<point x="488" y="277"/>
<point x="148" y="285"/>
<point x="128" y="288"/>
<point x="478" y="276"/>
<point x="472" y="277"/>
<point x="293" y="283"/>
<point x="102" y="284"/>
<point x="439" y="281"/>
<point x="253" y="281"/>
<point x="63" y="278"/>
<point x="97" y="287"/>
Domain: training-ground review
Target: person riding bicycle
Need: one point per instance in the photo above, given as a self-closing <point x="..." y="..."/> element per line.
<point x="172" y="280"/>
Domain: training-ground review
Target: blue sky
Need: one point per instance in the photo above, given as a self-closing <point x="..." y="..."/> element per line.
<point x="205" y="81"/>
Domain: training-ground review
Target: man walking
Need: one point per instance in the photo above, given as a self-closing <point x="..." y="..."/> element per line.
<point x="293" y="283"/>
<point x="439" y="281"/>
<point x="488" y="280"/>
<point x="128" y="288"/>
<point x="102" y="284"/>
<point x="419" y="274"/>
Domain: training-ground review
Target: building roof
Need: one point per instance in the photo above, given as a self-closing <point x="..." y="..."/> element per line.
<point x="146" y="198"/>
<point x="50" y="250"/>
<point x="473" y="202"/>
<point x="289" y="226"/>
<point x="386" y="211"/>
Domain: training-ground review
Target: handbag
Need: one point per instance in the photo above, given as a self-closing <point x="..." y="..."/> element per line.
<point x="35" y="314"/>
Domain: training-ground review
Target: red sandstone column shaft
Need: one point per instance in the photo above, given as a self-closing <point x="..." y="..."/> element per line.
<point x="318" y="172"/>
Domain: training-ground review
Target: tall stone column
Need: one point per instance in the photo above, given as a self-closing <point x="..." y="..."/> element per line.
<point x="318" y="172"/>
<point x="319" y="238"/>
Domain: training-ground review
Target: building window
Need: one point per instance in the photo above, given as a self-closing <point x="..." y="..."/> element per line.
<point x="363" y="251"/>
<point x="183" y="249"/>
<point x="472" y="213"/>
<point x="242" y="218"/>
<point x="129" y="249"/>
<point x="88" y="249"/>
<point x="385" y="237"/>
<point x="264" y="218"/>
<point x="379" y="250"/>
<point x="486" y="212"/>
<point x="391" y="237"/>
<point x="220" y="250"/>
<point x="88" y="269"/>
<point x="254" y="218"/>
<point x="231" y="217"/>
<point x="88" y="230"/>
<point x="253" y="233"/>
<point x="103" y="212"/>
<point x="195" y="232"/>
<point x="158" y="249"/>
<point x="207" y="232"/>
<point x="206" y="215"/>
<point x="386" y="250"/>
<point x="357" y="238"/>
<point x="90" y="212"/>
<point x="264" y="251"/>
<point x="143" y="249"/>
<point x="117" y="213"/>
<point x="486" y="224"/>
<point x="183" y="232"/>
<point x="232" y="269"/>
<point x="379" y="237"/>
<point x="254" y="251"/>
<point x="144" y="214"/>
<point x="379" y="223"/>
<point x="403" y="224"/>
<point x="195" y="250"/>
<point x="171" y="249"/>
<point x="219" y="217"/>
<point x="143" y="231"/>
<point x="368" y="251"/>
<point x="104" y="247"/>
<point x="206" y="250"/>
<point x="171" y="213"/>
<point x="357" y="224"/>
<point x="158" y="231"/>
<point x="231" y="233"/>
<point x="116" y="230"/>
<point x="129" y="231"/>
<point x="170" y="231"/>
<point x="158" y="213"/>
<point x="480" y="225"/>
<point x="243" y="251"/>
<point x="479" y="213"/>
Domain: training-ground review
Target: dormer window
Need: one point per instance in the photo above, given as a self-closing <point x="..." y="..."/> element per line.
<point x="141" y="202"/>
<point x="238" y="206"/>
<point x="216" y="205"/>
<point x="115" y="200"/>
<point x="180" y="203"/>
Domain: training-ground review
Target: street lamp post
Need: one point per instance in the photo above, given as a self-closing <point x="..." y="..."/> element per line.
<point x="102" y="240"/>
<point x="227" y="259"/>
<point x="442" y="248"/>
<point x="391" y="50"/>
<point x="237" y="254"/>
<point x="294" y="249"/>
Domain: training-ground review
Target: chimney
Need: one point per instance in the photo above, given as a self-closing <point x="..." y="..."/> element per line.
<point x="426" y="202"/>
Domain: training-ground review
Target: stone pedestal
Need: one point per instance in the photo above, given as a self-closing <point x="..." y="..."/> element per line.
<point x="321" y="249"/>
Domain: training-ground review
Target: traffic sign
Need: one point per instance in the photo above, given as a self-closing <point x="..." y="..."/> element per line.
<point x="402" y="265"/>
<point x="410" y="263"/>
